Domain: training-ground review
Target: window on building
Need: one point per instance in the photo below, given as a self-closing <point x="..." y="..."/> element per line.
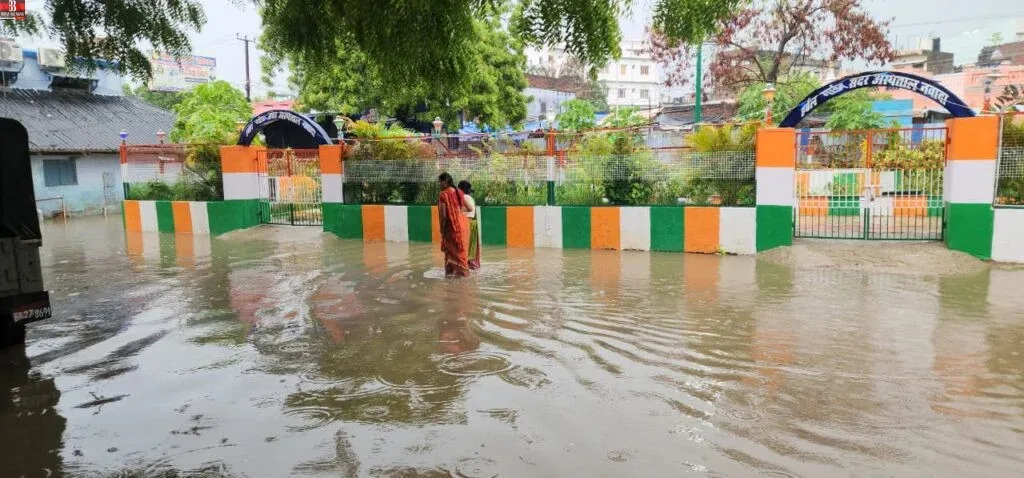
<point x="543" y="107"/>
<point x="644" y="94"/>
<point x="60" y="172"/>
<point x="645" y="70"/>
<point x="551" y="58"/>
<point x="622" y="92"/>
<point x="622" y="69"/>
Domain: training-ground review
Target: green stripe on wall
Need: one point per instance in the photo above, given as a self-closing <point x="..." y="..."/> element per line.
<point x="227" y="216"/>
<point x="575" y="227"/>
<point x="494" y="225"/>
<point x="667" y="228"/>
<point x="164" y="216"/>
<point x="774" y="227"/>
<point x="969" y="228"/>
<point x="344" y="220"/>
<point x="419" y="224"/>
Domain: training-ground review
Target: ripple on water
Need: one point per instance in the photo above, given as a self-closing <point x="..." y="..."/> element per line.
<point x="475" y="364"/>
<point x="476" y="468"/>
<point x="311" y="417"/>
<point x="747" y="414"/>
<point x="378" y="411"/>
<point x="620" y="456"/>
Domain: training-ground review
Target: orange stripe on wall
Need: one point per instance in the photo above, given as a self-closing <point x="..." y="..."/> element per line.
<point x="132" y="218"/>
<point x="604" y="228"/>
<point x="519" y="226"/>
<point x="435" y="225"/>
<point x="373" y="223"/>
<point x="700" y="229"/>
<point x="182" y="217"/>
<point x="330" y="159"/>
<point x="238" y="159"/>
<point x="776" y="148"/>
<point x="973" y="138"/>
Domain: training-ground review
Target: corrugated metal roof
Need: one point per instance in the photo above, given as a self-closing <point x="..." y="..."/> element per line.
<point x="82" y="121"/>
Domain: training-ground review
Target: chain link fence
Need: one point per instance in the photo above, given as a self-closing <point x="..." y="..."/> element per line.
<point x="172" y="172"/>
<point x="1010" y="180"/>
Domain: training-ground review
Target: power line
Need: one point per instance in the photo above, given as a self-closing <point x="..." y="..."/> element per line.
<point x="959" y="20"/>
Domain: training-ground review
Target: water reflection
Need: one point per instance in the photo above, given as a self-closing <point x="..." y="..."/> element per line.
<point x="285" y="351"/>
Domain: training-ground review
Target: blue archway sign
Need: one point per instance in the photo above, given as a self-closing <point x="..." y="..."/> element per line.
<point x="878" y="79"/>
<point x="266" y="118"/>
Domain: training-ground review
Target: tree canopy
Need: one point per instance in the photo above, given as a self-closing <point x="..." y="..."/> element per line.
<point x="426" y="39"/>
<point x="851" y="110"/>
<point x="210" y="113"/>
<point x="768" y="39"/>
<point x="161" y="99"/>
<point x="491" y="89"/>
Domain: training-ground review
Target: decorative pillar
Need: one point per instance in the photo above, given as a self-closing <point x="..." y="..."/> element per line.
<point x="240" y="169"/>
<point x="774" y="174"/>
<point x="332" y="177"/>
<point x="972" y="147"/>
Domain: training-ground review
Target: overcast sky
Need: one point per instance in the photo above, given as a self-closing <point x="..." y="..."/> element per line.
<point x="964" y="26"/>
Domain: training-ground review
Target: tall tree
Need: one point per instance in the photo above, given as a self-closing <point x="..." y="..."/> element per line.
<point x="767" y="39"/>
<point x="491" y="88"/>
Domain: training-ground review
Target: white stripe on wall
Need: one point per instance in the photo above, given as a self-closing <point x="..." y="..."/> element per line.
<point x="1008" y="236"/>
<point x="547" y="226"/>
<point x="396" y="223"/>
<point x="200" y="218"/>
<point x="241" y="186"/>
<point x="635" y="228"/>
<point x="737" y="230"/>
<point x="970" y="182"/>
<point x="775" y="186"/>
<point x="147" y="212"/>
<point x="331" y="186"/>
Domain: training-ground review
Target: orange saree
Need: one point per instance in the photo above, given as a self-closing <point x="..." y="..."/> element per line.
<point x="454" y="233"/>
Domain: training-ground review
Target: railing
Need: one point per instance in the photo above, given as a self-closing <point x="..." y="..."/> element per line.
<point x="905" y="147"/>
<point x="1010" y="171"/>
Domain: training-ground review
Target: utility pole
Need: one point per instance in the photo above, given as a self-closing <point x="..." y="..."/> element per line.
<point x="248" y="84"/>
<point x="698" y="109"/>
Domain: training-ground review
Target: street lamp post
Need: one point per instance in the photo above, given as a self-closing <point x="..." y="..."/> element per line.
<point x="160" y="135"/>
<point x="769" y="97"/>
<point x="339" y="123"/>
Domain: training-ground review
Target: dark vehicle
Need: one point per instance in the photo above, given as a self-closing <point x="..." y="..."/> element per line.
<point x="22" y="298"/>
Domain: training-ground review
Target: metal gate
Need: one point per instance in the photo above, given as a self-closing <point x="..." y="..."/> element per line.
<point x="876" y="184"/>
<point x="290" y="187"/>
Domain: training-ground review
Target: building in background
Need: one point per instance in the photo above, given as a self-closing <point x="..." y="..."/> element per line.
<point x="900" y="112"/>
<point x="174" y="74"/>
<point x="635" y="79"/>
<point x="546" y="96"/>
<point x="933" y="60"/>
<point x="272" y="104"/>
<point x="73" y="121"/>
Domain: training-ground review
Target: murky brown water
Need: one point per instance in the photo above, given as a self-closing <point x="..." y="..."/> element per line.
<point x="287" y="352"/>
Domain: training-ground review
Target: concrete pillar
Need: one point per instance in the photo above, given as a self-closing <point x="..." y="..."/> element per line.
<point x="775" y="176"/>
<point x="969" y="184"/>
<point x="239" y="166"/>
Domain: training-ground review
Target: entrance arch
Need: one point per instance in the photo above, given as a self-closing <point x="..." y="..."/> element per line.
<point x="300" y="128"/>
<point x="878" y="79"/>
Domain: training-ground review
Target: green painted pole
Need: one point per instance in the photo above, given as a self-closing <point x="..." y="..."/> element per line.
<point x="698" y="113"/>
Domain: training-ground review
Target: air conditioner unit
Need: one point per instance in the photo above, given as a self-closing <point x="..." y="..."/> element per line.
<point x="10" y="52"/>
<point x="51" y="58"/>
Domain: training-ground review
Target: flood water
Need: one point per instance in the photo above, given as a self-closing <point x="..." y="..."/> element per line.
<point x="281" y="352"/>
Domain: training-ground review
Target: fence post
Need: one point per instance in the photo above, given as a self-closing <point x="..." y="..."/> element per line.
<point x="551" y="166"/>
<point x="775" y="176"/>
<point x="332" y="174"/>
<point x="970" y="177"/>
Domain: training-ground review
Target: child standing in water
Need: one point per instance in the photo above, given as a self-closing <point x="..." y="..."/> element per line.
<point x="469" y="206"/>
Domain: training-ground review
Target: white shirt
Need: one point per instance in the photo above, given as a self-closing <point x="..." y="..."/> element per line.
<point x="471" y="205"/>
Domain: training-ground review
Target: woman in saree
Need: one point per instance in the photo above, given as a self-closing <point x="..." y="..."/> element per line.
<point x="454" y="228"/>
<point x="469" y="206"/>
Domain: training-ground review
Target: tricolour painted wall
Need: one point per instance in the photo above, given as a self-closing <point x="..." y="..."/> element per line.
<point x="692" y="229"/>
<point x="190" y="217"/>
